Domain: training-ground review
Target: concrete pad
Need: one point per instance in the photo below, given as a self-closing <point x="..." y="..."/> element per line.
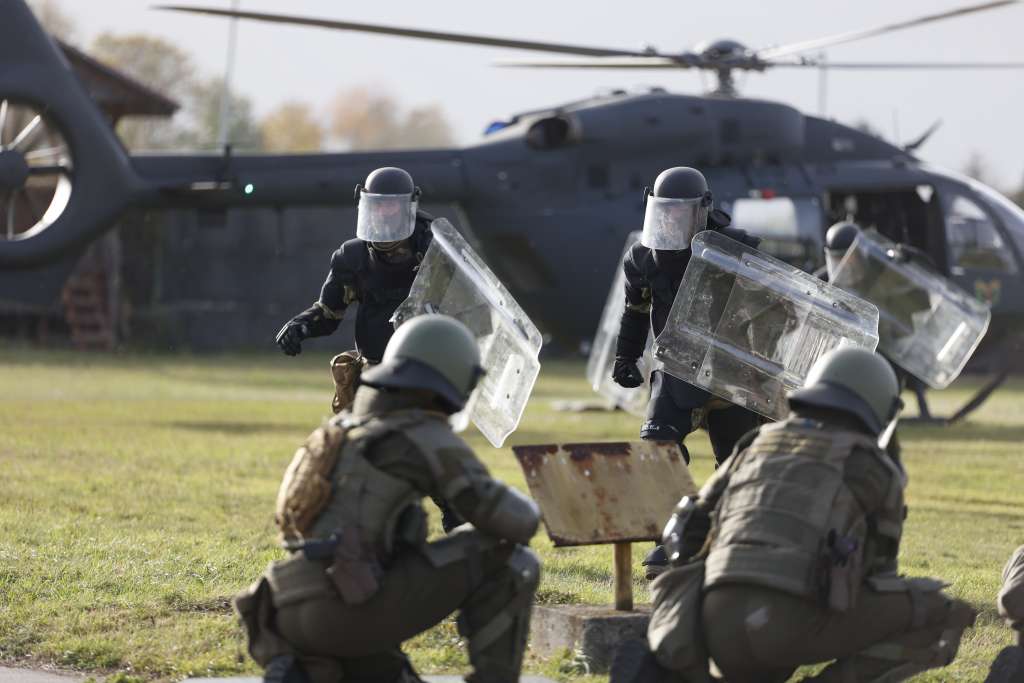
<point x="431" y="679"/>
<point x="15" y="675"/>
<point x="591" y="630"/>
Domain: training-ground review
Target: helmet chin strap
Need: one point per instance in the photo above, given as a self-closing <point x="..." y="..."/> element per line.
<point x="886" y="436"/>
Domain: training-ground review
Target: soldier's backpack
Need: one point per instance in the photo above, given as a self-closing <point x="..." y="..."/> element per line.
<point x="306" y="487"/>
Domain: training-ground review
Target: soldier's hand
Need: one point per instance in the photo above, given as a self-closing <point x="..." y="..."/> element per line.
<point x="290" y="337"/>
<point x="626" y="373"/>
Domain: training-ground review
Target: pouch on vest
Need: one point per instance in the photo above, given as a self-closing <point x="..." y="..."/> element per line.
<point x="355" y="571"/>
<point x="256" y="612"/>
<point x="840" y="573"/>
<point x="306" y="487"/>
<point x="674" y="634"/>
<point x="345" y="369"/>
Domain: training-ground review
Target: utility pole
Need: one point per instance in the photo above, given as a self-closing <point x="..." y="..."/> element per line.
<point x="224" y="123"/>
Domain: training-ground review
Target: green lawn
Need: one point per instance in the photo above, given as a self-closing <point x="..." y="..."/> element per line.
<point x="137" y="494"/>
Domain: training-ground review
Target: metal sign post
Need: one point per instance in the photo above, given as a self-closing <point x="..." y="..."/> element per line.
<point x="596" y="493"/>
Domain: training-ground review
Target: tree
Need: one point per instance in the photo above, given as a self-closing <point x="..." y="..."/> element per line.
<point x="977" y="167"/>
<point x="427" y="127"/>
<point x="54" y="19"/>
<point x="292" y="127"/>
<point x="160" y="66"/>
<point x="365" y="118"/>
<point x="204" y="118"/>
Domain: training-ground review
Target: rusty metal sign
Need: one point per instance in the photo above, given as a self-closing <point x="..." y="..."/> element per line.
<point x="592" y="493"/>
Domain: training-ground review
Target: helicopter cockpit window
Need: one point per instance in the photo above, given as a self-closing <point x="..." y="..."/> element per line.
<point x="973" y="239"/>
<point x="790" y="228"/>
<point x="549" y="133"/>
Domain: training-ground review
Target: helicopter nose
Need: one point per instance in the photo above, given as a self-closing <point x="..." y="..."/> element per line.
<point x="13" y="171"/>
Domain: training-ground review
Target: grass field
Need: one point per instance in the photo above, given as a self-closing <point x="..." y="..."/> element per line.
<point x="137" y="491"/>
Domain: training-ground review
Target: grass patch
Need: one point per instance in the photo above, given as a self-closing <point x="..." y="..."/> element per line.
<point x="137" y="496"/>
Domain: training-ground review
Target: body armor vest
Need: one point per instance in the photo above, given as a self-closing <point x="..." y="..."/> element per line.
<point x="368" y="502"/>
<point x="380" y="287"/>
<point x="788" y="521"/>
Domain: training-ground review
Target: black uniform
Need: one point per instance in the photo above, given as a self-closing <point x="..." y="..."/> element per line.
<point x="652" y="280"/>
<point x="378" y="281"/>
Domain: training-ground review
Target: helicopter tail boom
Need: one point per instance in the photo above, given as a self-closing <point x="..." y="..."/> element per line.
<point x="225" y="181"/>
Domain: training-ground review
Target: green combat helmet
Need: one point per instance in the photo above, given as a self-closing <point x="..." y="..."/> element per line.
<point x="432" y="352"/>
<point x="855" y="381"/>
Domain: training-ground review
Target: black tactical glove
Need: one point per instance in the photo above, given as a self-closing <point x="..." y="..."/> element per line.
<point x="626" y="373"/>
<point x="290" y="337"/>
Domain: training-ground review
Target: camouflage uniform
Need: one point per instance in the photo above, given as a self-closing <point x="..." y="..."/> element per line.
<point x="346" y="615"/>
<point x="801" y="561"/>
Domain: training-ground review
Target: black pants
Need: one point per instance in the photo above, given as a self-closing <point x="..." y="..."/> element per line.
<point x="671" y="413"/>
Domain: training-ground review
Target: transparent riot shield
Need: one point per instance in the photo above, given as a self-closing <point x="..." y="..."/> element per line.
<point x="927" y="325"/>
<point x="602" y="352"/>
<point x="454" y="281"/>
<point x="747" y="327"/>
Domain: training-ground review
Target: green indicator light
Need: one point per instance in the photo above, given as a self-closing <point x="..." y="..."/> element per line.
<point x="249" y="188"/>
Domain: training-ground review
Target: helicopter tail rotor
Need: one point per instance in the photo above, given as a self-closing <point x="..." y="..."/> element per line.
<point x="64" y="176"/>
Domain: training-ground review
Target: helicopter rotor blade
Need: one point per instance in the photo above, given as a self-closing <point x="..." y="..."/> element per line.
<point x="646" y="62"/>
<point x="900" y="65"/>
<point x="464" y="38"/>
<point x="771" y="53"/>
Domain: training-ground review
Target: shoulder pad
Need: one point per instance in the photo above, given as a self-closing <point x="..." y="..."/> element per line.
<point x="741" y="236"/>
<point x="718" y="219"/>
<point x="424" y="217"/>
<point x="639" y="257"/>
<point x="351" y="255"/>
<point x="433" y="435"/>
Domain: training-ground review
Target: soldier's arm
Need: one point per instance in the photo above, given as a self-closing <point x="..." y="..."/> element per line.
<point x="489" y="505"/>
<point x="635" y="323"/>
<point x="338" y="291"/>
<point x="877" y="487"/>
<point x="696" y="527"/>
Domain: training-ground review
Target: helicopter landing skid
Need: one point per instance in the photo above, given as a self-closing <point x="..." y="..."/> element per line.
<point x="1009" y="352"/>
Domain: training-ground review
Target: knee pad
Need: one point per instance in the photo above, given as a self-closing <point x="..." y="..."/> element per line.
<point x="525" y="565"/>
<point x="658" y="431"/>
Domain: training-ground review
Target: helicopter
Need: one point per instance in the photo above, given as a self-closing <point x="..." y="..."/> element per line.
<point x="535" y="182"/>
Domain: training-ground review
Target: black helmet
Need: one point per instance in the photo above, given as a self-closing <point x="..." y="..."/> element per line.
<point x="389" y="180"/>
<point x="680" y="182"/>
<point x="676" y="210"/>
<point x="841" y="235"/>
<point x="387" y="206"/>
<point x="838" y="240"/>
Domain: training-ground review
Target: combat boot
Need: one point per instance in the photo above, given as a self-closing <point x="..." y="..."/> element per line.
<point x="635" y="663"/>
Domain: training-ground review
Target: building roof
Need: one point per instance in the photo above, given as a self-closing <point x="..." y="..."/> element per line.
<point x="116" y="93"/>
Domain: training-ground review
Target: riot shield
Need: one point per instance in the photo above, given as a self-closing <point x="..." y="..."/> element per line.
<point x="602" y="352"/>
<point x="747" y="327"/>
<point x="927" y="325"/>
<point x="454" y="281"/>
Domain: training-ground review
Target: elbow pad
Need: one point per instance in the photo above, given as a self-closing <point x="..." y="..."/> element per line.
<point x="509" y="514"/>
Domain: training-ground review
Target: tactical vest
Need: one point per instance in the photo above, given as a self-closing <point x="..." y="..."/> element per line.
<point x="663" y="273"/>
<point x="788" y="521"/>
<point x="380" y="287"/>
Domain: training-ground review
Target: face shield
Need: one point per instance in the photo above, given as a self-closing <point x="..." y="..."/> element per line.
<point x="386" y="217"/>
<point x="670" y="224"/>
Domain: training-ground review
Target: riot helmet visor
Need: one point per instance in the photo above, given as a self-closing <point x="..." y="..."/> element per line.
<point x="386" y="217"/>
<point x="670" y="224"/>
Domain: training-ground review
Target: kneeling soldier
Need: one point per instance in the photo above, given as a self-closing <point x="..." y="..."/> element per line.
<point x="361" y="577"/>
<point x="798" y="537"/>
